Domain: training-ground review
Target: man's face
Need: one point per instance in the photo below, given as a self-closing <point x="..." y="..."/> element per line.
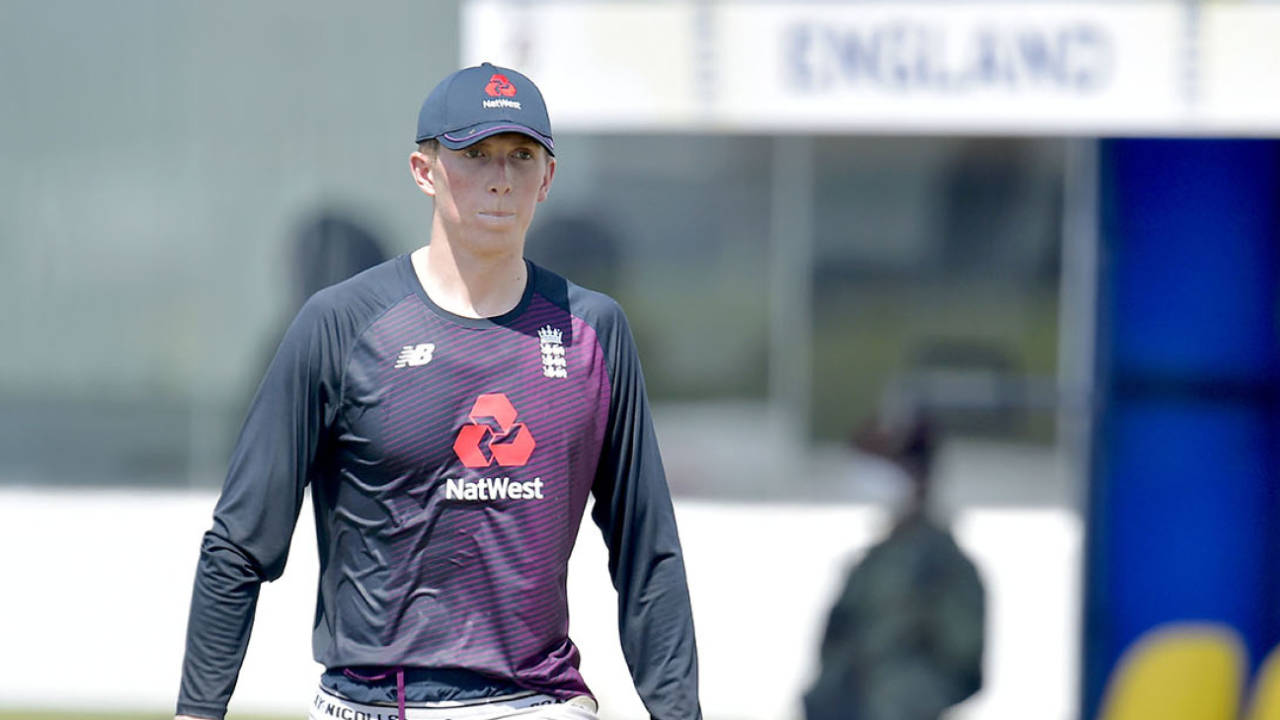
<point x="487" y="192"/>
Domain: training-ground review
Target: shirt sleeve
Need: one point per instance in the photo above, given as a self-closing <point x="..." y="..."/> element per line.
<point x="633" y="510"/>
<point x="255" y="516"/>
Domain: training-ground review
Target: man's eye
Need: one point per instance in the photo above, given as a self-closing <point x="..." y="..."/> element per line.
<point x="471" y="153"/>
<point x="524" y="154"/>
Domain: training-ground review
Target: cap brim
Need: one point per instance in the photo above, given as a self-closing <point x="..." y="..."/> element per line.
<point x="459" y="139"/>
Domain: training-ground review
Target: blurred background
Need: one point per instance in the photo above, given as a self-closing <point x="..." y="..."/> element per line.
<point x="1052" y="225"/>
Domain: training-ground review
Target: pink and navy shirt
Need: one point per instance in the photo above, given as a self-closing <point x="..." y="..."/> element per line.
<point x="449" y="460"/>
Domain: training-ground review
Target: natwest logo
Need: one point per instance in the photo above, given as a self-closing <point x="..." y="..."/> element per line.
<point x="493" y="435"/>
<point x="499" y="85"/>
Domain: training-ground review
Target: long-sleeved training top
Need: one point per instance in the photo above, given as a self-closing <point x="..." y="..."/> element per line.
<point x="449" y="461"/>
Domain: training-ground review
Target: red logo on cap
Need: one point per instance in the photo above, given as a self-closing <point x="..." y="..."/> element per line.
<point x="500" y="85"/>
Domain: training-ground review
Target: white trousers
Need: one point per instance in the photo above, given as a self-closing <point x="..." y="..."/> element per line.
<point x="329" y="706"/>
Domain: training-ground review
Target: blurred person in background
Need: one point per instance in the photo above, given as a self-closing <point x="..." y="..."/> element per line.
<point x="328" y="248"/>
<point x="904" y="640"/>
<point x="451" y="410"/>
<point x="583" y="247"/>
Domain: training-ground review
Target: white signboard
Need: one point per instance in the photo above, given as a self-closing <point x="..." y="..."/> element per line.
<point x="1239" y="80"/>
<point x="599" y="65"/>
<point x="950" y="65"/>
<point x="1002" y="67"/>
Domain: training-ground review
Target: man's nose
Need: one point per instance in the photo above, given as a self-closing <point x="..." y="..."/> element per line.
<point x="500" y="178"/>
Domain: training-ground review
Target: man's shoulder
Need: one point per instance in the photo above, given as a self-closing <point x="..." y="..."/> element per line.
<point x="593" y="307"/>
<point x="352" y="304"/>
<point x="382" y="283"/>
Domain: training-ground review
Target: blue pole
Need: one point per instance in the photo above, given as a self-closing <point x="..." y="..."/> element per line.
<point x="1183" y="490"/>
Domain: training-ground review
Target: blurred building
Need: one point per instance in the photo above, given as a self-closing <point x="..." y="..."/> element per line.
<point x="753" y="283"/>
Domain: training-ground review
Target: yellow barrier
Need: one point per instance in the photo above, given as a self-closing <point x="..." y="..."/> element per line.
<point x="1185" y="671"/>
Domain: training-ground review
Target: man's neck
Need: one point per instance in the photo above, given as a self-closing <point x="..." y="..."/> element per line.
<point x="469" y="286"/>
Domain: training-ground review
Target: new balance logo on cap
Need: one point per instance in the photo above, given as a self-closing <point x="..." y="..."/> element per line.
<point x="415" y="355"/>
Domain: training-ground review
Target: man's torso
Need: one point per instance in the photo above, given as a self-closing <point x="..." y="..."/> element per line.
<point x="449" y="491"/>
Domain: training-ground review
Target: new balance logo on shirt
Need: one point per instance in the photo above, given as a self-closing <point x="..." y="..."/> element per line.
<point x="415" y="355"/>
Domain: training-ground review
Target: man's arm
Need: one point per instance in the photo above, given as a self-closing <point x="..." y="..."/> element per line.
<point x="256" y="513"/>
<point x="633" y="509"/>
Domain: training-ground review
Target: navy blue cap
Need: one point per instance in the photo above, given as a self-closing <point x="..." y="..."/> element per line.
<point x="476" y="102"/>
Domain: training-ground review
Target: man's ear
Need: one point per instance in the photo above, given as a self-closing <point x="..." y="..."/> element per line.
<point x="423" y="167"/>
<point x="546" y="179"/>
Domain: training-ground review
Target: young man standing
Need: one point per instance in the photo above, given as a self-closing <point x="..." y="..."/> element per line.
<point x="451" y="411"/>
